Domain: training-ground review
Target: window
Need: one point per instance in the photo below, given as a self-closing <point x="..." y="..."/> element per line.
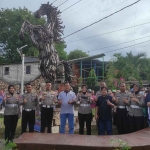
<point x="28" y="69"/>
<point x="6" y="70"/>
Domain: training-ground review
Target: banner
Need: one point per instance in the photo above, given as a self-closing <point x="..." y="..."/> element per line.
<point x="37" y="126"/>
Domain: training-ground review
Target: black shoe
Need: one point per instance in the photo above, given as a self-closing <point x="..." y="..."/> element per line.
<point x="11" y="141"/>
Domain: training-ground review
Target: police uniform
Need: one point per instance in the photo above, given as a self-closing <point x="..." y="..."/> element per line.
<point x="11" y="113"/>
<point x="122" y="112"/>
<point x="98" y="93"/>
<point x="136" y="117"/>
<point x="28" y="113"/>
<point x="47" y="110"/>
<point x="84" y="113"/>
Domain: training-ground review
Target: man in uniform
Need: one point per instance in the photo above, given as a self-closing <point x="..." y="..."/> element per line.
<point x="30" y="106"/>
<point x="47" y="99"/>
<point x="122" y="109"/>
<point x="98" y="93"/>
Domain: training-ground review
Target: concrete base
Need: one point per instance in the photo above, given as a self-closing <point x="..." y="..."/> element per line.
<point x="44" y="141"/>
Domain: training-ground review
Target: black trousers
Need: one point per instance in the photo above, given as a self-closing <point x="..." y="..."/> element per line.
<point x="122" y="121"/>
<point x="46" y="119"/>
<point x="145" y="123"/>
<point x="10" y="122"/>
<point x="28" y="117"/>
<point x="136" y="123"/>
<point x="114" y="119"/>
<point x="85" y="118"/>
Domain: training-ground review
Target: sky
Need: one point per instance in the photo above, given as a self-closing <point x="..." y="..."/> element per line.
<point x="92" y="40"/>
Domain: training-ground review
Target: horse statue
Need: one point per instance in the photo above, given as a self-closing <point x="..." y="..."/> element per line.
<point x="44" y="38"/>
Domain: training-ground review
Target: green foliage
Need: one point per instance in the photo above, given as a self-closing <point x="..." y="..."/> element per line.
<point x="92" y="79"/>
<point x="60" y="49"/>
<point x="77" y="54"/>
<point x="11" y="21"/>
<point x="2" y="59"/>
<point x="121" y="145"/>
<point x="130" y="67"/>
<point x="80" y="80"/>
<point x="9" y="146"/>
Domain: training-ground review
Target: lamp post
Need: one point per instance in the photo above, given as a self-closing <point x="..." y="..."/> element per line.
<point x="19" y="50"/>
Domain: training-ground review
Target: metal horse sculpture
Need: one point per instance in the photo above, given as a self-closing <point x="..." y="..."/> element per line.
<point x="44" y="38"/>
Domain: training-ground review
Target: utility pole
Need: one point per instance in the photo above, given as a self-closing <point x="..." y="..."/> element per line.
<point x="103" y="68"/>
<point x="19" y="50"/>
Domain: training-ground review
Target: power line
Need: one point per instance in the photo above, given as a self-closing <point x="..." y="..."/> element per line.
<point x="101" y="19"/>
<point x="127" y="46"/>
<point x="62" y="3"/>
<point x="71" y="6"/>
<point x="95" y="15"/>
<point x="107" y="32"/>
<point x="53" y="2"/>
<point x="118" y="44"/>
<point x="107" y="9"/>
<point x="77" y="11"/>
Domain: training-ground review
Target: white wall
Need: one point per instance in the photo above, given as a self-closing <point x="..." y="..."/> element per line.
<point x="15" y="71"/>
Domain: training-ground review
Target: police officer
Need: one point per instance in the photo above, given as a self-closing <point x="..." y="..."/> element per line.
<point x="30" y="106"/>
<point x="84" y="111"/>
<point x="98" y="93"/>
<point x="122" y="109"/>
<point x="47" y="99"/>
<point x="136" y="103"/>
<point x="11" y="113"/>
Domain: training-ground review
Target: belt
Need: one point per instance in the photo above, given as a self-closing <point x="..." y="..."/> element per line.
<point x="134" y="106"/>
<point x="121" y="107"/>
<point x="11" y="105"/>
<point x="29" y="109"/>
<point x="84" y="105"/>
<point x="47" y="106"/>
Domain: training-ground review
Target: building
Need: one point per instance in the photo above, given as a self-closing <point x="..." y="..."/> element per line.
<point x="11" y="73"/>
<point x="82" y="69"/>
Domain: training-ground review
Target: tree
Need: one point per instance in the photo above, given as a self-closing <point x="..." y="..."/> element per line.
<point x="129" y="67"/>
<point x="60" y="49"/>
<point x="92" y="79"/>
<point x="77" y="54"/>
<point x="11" y="21"/>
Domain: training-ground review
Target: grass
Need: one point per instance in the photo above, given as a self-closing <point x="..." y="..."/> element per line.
<point x="2" y="128"/>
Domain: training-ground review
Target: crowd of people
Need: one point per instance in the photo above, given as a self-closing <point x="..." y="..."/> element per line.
<point x="128" y="110"/>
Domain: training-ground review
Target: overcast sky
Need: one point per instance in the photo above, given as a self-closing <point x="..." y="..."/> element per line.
<point x="88" y="11"/>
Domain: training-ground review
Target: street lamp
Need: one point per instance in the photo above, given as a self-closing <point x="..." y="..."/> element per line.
<point x="19" y="50"/>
